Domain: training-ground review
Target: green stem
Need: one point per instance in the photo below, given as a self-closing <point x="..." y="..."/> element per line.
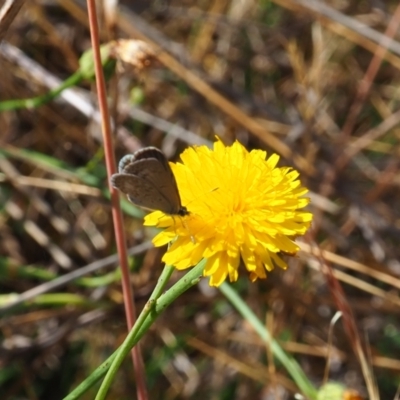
<point x="151" y="311"/>
<point x="94" y="377"/>
<point x="38" y="101"/>
<point x="162" y="281"/>
<point x="59" y="299"/>
<point x="85" y="71"/>
<point x="290" y="363"/>
<point x="50" y="299"/>
<point x="155" y="306"/>
<point x="9" y="269"/>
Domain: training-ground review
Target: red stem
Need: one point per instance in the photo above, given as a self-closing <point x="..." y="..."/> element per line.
<point x="130" y="311"/>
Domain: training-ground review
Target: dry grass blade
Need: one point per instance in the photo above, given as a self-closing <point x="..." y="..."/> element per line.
<point x="345" y="26"/>
<point x="8" y="12"/>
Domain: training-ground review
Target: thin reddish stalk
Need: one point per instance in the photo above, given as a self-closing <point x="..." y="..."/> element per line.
<point x="363" y="90"/>
<point x="366" y="83"/>
<point x="349" y="322"/>
<point x="130" y="311"/>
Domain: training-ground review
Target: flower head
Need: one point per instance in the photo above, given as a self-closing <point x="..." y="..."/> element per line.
<point x="241" y="207"/>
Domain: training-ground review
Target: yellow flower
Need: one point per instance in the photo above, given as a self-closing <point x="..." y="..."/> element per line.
<point x="241" y="207"/>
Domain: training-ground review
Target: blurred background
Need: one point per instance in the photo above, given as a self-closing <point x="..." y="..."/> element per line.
<point x="315" y="81"/>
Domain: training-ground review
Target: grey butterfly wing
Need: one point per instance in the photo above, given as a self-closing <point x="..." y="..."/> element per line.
<point x="126" y="160"/>
<point x="141" y="192"/>
<point x="153" y="171"/>
<point x="153" y="175"/>
<point x="145" y="153"/>
<point x="161" y="177"/>
<point x="151" y="152"/>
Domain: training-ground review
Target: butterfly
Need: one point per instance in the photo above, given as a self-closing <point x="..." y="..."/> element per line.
<point x="148" y="181"/>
